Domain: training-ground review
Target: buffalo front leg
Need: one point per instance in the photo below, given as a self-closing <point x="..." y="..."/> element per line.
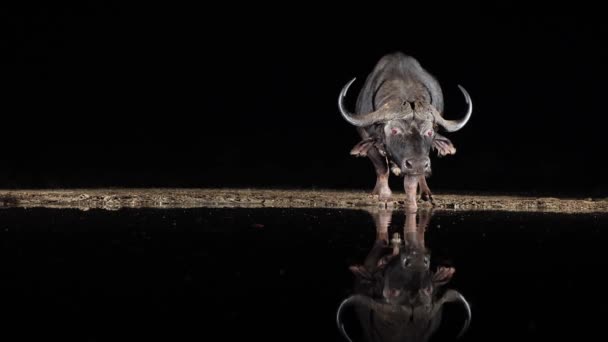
<point x="425" y="192"/>
<point x="410" y="185"/>
<point x="382" y="172"/>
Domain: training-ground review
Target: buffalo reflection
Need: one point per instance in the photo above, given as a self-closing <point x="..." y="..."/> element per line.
<point x="397" y="295"/>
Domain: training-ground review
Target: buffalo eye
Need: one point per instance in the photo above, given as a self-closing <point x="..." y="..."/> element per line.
<point x="429" y="133"/>
<point x="395" y="131"/>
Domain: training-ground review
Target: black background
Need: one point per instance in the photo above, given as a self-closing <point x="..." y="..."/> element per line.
<point x="115" y="94"/>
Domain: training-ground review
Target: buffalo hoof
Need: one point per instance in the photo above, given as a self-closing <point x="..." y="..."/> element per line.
<point x="381" y="189"/>
<point x="384" y="194"/>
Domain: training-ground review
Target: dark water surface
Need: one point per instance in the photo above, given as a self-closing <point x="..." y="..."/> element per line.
<point x="248" y="274"/>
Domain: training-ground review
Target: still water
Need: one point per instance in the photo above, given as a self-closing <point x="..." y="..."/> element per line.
<point x="247" y="274"/>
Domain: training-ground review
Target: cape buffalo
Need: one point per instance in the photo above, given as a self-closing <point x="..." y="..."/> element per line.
<point x="397" y="114"/>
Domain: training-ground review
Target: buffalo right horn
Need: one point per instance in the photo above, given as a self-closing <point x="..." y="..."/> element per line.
<point x="384" y="113"/>
<point x="454" y="125"/>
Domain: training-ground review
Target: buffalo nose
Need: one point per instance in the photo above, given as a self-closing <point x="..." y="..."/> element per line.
<point x="418" y="164"/>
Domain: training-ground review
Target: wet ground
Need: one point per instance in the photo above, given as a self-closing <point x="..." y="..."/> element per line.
<point x="281" y="273"/>
<point x="113" y="199"/>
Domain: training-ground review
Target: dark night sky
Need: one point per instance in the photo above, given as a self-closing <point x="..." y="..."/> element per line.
<point x="113" y="95"/>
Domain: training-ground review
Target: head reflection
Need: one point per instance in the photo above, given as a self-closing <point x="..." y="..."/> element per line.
<point x="397" y="296"/>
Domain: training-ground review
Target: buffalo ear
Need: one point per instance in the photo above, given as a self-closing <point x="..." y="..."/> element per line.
<point x="361" y="149"/>
<point x="360" y="272"/>
<point x="443" y="145"/>
<point x="443" y="275"/>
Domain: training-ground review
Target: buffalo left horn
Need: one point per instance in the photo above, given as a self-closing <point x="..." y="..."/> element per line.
<point x="382" y="114"/>
<point x="454" y="125"/>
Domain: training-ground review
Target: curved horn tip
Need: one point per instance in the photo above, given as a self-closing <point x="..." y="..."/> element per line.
<point x="345" y="88"/>
<point x="341" y="106"/>
<point x="347" y="301"/>
<point x="467" y="97"/>
<point x="467" y="323"/>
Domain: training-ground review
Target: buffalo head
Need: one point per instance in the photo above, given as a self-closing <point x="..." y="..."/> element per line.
<point x="405" y="131"/>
